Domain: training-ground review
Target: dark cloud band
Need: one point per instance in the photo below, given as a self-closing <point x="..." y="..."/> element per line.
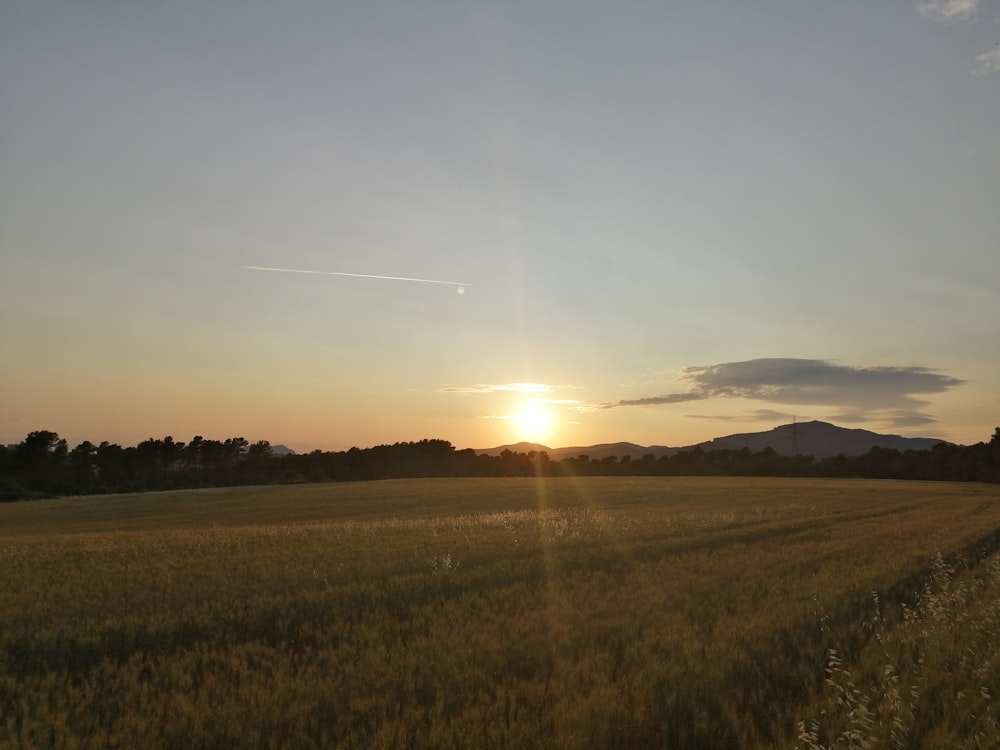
<point x="807" y="382"/>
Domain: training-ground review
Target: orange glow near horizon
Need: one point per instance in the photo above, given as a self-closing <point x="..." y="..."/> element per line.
<point x="533" y="422"/>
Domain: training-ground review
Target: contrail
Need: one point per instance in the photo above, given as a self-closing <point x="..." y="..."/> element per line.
<point x="357" y="275"/>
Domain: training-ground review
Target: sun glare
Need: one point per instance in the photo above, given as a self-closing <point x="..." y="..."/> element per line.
<point x="533" y="422"/>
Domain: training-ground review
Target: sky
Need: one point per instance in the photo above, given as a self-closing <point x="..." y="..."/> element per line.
<point x="648" y="222"/>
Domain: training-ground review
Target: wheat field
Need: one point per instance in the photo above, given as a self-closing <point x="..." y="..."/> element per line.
<point x="475" y="613"/>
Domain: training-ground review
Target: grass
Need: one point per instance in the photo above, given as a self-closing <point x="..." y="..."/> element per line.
<point x="561" y="613"/>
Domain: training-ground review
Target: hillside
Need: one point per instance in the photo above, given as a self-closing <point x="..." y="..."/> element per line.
<point x="594" y="452"/>
<point x="819" y="439"/>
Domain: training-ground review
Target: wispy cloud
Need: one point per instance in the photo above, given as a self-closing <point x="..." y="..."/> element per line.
<point x="466" y="390"/>
<point x="772" y="415"/>
<point x="806" y="382"/>
<point x="950" y="11"/>
<point x="962" y="11"/>
<point x="989" y="62"/>
<point x="570" y="404"/>
<point x="757" y="415"/>
<point x="889" y="418"/>
<point x="673" y="398"/>
<point x="907" y="419"/>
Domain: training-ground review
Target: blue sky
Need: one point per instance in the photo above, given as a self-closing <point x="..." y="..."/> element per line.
<point x="672" y="221"/>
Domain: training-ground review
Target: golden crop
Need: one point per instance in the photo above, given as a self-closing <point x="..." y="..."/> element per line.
<point x="557" y="613"/>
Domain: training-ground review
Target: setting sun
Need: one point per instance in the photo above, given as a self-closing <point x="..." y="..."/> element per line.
<point x="533" y="422"/>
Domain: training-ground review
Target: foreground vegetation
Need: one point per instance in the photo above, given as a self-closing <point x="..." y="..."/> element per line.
<point x="556" y="613"/>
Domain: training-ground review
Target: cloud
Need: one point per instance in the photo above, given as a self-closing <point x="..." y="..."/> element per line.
<point x="890" y="418"/>
<point x="569" y="404"/>
<point x="466" y="390"/>
<point x="989" y="62"/>
<point x="757" y="415"/>
<point x="815" y="381"/>
<point x="956" y="11"/>
<point x="673" y="398"/>
<point x="909" y="419"/>
<point x="949" y="11"/>
<point x="806" y="382"/>
<point x="771" y="414"/>
<point x="851" y="416"/>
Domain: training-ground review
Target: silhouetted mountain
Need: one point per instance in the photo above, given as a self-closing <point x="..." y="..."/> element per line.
<point x="819" y="439"/>
<point x="594" y="452"/>
<point x="605" y="450"/>
<point x="515" y="448"/>
<point x="281" y="450"/>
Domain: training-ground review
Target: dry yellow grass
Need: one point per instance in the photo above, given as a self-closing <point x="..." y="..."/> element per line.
<point x="605" y="612"/>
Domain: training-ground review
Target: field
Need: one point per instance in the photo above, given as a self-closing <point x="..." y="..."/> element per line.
<point x="505" y="613"/>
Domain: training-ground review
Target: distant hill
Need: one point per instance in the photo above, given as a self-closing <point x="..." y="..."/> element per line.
<point x="514" y="448"/>
<point x="605" y="450"/>
<point x="594" y="452"/>
<point x="819" y="439"/>
<point x="281" y="450"/>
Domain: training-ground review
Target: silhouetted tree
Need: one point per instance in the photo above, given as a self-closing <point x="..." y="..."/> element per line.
<point x="40" y="462"/>
<point x="83" y="468"/>
<point x="41" y="465"/>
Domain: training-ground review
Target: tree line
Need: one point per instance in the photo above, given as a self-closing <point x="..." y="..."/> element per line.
<point x="42" y="465"/>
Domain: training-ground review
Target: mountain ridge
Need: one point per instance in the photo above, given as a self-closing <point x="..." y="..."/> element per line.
<point x="815" y="438"/>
